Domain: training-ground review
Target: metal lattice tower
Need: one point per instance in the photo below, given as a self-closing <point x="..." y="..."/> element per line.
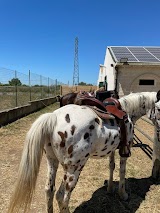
<point x="76" y="64"/>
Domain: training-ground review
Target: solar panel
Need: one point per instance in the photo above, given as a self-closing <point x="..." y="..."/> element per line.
<point x="142" y="55"/>
<point x="155" y="51"/>
<point x="122" y="52"/>
<point x="137" y="54"/>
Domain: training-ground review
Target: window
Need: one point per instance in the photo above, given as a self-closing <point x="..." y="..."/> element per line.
<point x="146" y="82"/>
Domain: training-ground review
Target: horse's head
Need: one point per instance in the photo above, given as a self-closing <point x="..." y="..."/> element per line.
<point x="154" y="115"/>
<point x="158" y="96"/>
<point x="58" y="98"/>
<point x="115" y="94"/>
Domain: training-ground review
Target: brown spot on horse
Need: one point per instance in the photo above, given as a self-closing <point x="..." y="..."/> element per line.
<point x="62" y="135"/>
<point x="67" y="118"/>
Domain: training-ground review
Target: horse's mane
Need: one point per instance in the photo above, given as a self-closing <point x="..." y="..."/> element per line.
<point x="138" y="104"/>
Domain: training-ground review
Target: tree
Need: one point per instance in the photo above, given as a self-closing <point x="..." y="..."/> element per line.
<point x="84" y="84"/>
<point x="15" y="81"/>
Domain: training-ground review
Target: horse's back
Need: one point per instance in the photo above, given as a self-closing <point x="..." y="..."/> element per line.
<point x="75" y="113"/>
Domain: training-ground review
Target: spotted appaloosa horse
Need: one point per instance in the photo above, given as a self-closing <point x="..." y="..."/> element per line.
<point x="70" y="138"/>
<point x="146" y="103"/>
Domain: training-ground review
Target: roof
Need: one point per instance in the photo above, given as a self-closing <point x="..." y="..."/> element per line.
<point x="135" y="54"/>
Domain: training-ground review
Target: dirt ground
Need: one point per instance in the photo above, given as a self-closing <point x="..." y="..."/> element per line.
<point x="90" y="194"/>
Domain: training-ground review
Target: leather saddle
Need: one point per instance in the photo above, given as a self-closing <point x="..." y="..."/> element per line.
<point x="110" y="108"/>
<point x="96" y="105"/>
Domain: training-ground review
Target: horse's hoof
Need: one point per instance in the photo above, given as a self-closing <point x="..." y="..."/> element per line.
<point x="155" y="180"/>
<point x="156" y="170"/>
<point x="110" y="190"/>
<point x="123" y="196"/>
<point x="106" y="183"/>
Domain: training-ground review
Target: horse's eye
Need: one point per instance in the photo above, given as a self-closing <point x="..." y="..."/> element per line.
<point x="158" y="110"/>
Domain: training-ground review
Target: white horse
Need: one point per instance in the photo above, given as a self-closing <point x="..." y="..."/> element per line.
<point x="70" y="135"/>
<point x="137" y="105"/>
<point x="146" y="103"/>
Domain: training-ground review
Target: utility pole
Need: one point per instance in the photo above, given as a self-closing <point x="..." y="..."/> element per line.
<point x="76" y="64"/>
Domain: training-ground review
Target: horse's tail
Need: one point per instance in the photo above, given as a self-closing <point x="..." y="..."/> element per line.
<point x="38" y="134"/>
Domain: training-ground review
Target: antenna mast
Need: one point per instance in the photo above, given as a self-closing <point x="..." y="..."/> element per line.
<point x="76" y="64"/>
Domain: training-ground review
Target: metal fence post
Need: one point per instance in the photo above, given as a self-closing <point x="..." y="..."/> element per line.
<point x="41" y="85"/>
<point x="48" y="87"/>
<point x="16" y="89"/>
<point x="61" y="90"/>
<point x="56" y="87"/>
<point x="30" y="97"/>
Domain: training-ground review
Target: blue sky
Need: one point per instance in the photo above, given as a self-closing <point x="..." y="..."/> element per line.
<point x="40" y="35"/>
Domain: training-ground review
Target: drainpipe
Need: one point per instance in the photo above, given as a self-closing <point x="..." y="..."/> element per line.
<point x="116" y="78"/>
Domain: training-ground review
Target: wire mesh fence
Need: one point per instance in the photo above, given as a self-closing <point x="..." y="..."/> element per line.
<point x="17" y="89"/>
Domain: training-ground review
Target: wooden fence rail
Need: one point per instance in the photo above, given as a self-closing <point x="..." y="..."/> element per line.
<point x="145" y="147"/>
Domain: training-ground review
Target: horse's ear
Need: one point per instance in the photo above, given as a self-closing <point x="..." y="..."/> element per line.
<point x="158" y="96"/>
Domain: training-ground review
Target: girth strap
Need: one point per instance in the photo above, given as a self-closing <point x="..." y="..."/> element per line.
<point x="113" y="106"/>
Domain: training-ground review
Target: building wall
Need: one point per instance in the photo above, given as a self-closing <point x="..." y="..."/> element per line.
<point x="129" y="76"/>
<point x="110" y="70"/>
<point x="102" y="71"/>
<point x="107" y="69"/>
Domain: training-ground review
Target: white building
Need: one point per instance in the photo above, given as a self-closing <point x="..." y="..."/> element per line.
<point x="131" y="69"/>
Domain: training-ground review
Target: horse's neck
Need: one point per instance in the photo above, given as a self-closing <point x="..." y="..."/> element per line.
<point x="138" y="104"/>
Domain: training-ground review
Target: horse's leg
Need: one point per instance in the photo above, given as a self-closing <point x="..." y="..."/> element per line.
<point x="68" y="184"/>
<point x="111" y="168"/>
<point x="122" y="192"/>
<point x="72" y="170"/>
<point x="52" y="163"/>
<point x="156" y="169"/>
<point x="156" y="157"/>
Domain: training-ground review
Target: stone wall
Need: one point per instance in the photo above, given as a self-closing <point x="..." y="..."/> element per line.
<point x="10" y="115"/>
<point x="129" y="76"/>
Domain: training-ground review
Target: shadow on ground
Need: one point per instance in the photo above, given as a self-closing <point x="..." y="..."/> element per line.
<point x="101" y="202"/>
